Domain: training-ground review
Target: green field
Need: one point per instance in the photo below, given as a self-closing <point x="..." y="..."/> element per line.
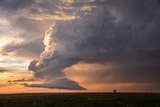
<point x="80" y="100"/>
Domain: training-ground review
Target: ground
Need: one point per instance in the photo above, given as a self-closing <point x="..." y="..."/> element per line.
<point x="80" y="100"/>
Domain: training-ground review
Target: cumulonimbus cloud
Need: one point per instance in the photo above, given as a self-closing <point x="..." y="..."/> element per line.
<point x="101" y="34"/>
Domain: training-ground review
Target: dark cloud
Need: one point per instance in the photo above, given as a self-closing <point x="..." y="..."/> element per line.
<point x="62" y="83"/>
<point x="124" y="34"/>
<point x="15" y="4"/>
<point x="29" y="30"/>
<point x="32" y="65"/>
<point x="23" y="80"/>
<point x="27" y="49"/>
<point x="32" y="27"/>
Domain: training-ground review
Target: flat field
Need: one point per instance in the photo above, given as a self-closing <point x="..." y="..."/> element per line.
<point x="80" y="100"/>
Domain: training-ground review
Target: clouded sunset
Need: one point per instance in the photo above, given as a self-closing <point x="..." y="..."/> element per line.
<point x="82" y="46"/>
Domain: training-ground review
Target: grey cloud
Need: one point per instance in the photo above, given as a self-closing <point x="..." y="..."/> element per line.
<point x="30" y="26"/>
<point x="24" y="80"/>
<point x="124" y="31"/>
<point x="15" y="4"/>
<point x="32" y="65"/>
<point x="78" y="39"/>
<point x="133" y="41"/>
<point x="62" y="83"/>
<point x="27" y="49"/>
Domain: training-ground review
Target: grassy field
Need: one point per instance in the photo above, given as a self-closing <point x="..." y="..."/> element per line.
<point x="80" y="100"/>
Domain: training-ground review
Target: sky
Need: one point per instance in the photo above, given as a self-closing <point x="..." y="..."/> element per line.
<point x="79" y="45"/>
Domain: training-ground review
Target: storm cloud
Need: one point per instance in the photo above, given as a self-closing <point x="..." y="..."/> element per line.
<point x="122" y="35"/>
<point x="125" y="35"/>
<point x="62" y="83"/>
